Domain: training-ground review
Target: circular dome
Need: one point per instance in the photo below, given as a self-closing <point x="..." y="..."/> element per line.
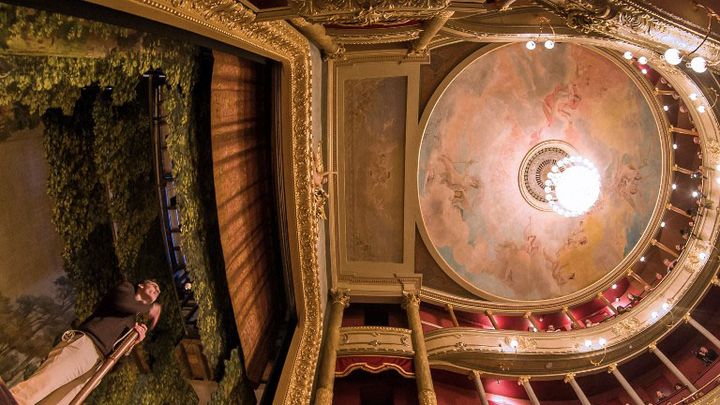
<point x="500" y="123"/>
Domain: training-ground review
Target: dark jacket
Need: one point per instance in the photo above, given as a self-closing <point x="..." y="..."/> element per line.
<point x="114" y="315"/>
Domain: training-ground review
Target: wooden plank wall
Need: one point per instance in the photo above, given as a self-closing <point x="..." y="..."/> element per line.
<point x="242" y="171"/>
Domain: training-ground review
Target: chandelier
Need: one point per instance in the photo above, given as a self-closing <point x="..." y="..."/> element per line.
<point x="572" y="186"/>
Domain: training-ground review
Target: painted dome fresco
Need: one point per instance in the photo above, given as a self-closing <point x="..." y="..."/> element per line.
<point x="489" y="141"/>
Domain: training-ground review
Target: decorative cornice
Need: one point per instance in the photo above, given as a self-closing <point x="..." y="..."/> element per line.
<point x="367" y="12"/>
<point x="633" y="22"/>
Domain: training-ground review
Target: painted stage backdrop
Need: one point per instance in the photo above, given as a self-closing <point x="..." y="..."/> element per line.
<point x="486" y="121"/>
<point x="36" y="300"/>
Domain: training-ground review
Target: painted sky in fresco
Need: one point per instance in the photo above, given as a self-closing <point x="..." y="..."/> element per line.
<point x="489" y="117"/>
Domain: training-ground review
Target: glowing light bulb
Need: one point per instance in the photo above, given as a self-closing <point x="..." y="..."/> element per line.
<point x="549" y="44"/>
<point x="701" y="109"/>
<point x="614" y="286"/>
<point x="602" y="341"/>
<point x="644" y="71"/>
<point x="588" y="343"/>
<point x="514" y="343"/>
<point x="530" y="45"/>
<point x="674" y="186"/>
<point x="654" y="314"/>
<point x="694" y="194"/>
<point x="693" y="96"/>
<point x="642" y="60"/>
<point x="702" y="256"/>
<point x="698" y="64"/>
<point x="666" y="108"/>
<point x="674" y="146"/>
<point x="665" y="306"/>
<point x="662" y="224"/>
<point x="673" y="56"/>
<point x="628" y="55"/>
<point x="642" y="259"/>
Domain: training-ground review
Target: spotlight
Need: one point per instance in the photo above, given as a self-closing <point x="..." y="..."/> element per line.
<point x="698" y="64"/>
<point x="642" y="60"/>
<point x="628" y="55"/>
<point x="673" y="57"/>
<point x="549" y="44"/>
<point x="530" y="45"/>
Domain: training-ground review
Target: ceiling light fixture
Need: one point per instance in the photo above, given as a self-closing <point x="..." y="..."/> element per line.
<point x="572" y="186"/>
<point x="698" y="64"/>
<point x="673" y="56"/>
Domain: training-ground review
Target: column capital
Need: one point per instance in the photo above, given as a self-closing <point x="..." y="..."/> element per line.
<point x="612" y="368"/>
<point x="686" y="318"/>
<point x="527" y="315"/>
<point x="474" y="374"/>
<point x="569" y="377"/>
<point x="652" y="347"/>
<point x="524" y="380"/>
<point x="715" y="281"/>
<point x="630" y="272"/>
<point x="488" y="312"/>
<point x="410" y="299"/>
<point x="565" y="308"/>
<point x="340" y="296"/>
<point x="600" y="295"/>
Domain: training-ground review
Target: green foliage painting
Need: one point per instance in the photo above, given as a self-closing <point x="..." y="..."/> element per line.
<point x="82" y="81"/>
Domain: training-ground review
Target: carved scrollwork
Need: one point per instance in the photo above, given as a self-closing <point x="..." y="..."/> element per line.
<point x="367" y="12"/>
<point x="627" y="327"/>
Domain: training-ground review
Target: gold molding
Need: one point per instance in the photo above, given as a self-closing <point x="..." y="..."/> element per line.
<point x="363" y="13"/>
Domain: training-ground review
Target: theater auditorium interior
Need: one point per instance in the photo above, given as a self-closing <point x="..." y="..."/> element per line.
<point x="366" y="202"/>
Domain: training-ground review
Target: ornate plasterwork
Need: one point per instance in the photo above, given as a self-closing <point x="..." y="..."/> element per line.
<point x="367" y="12"/>
<point x="232" y="23"/>
<point x="375" y="36"/>
<point x="375" y="340"/>
<point x="633" y="22"/>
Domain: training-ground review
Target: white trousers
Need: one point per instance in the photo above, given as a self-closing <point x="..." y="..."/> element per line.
<point x="68" y="367"/>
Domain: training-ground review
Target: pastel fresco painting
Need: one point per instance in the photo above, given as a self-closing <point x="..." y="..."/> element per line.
<point x="496" y="110"/>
